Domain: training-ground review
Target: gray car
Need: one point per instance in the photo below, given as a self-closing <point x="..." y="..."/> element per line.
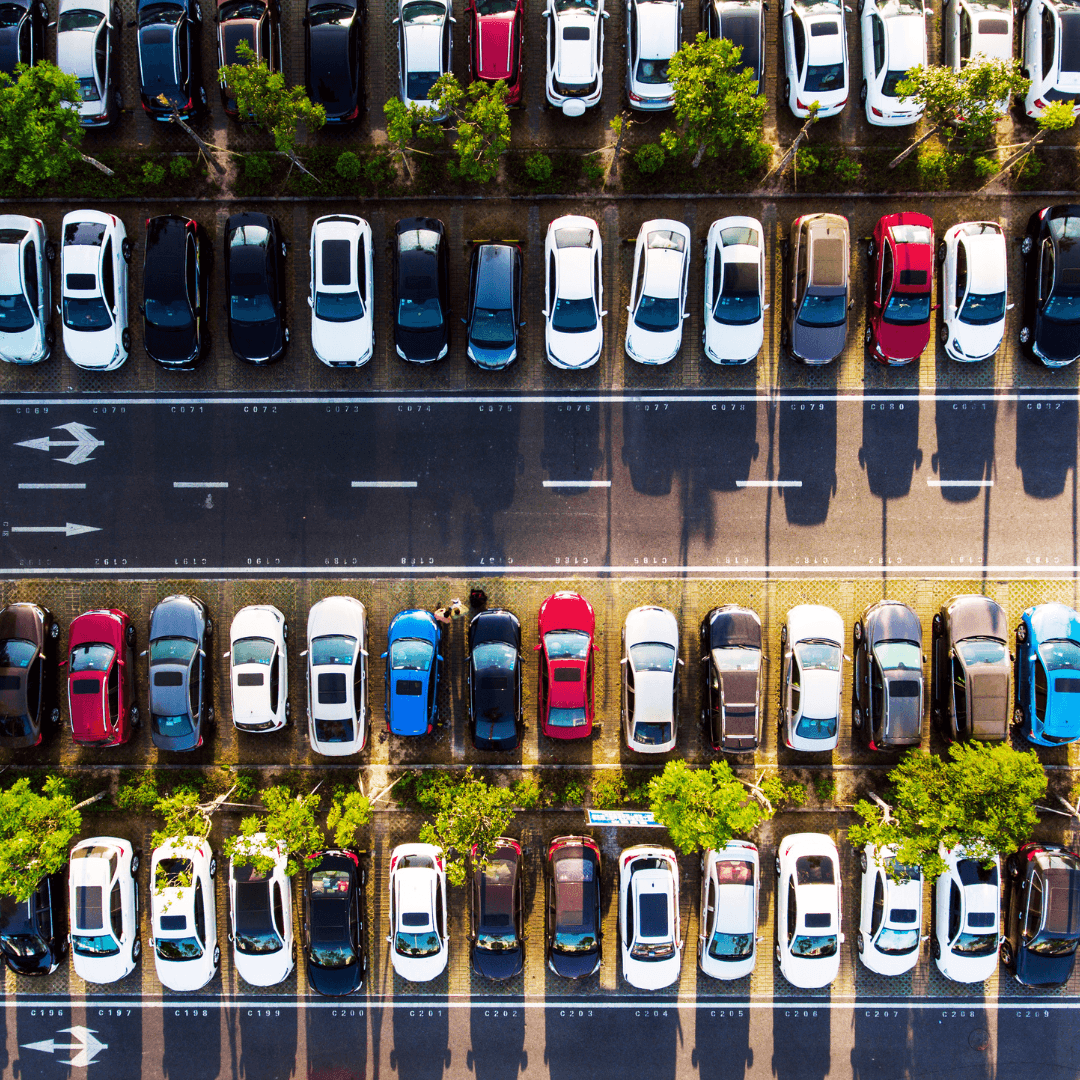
<point x="887" y="690"/>
<point x="180" y="680"/>
<point x="816" y="262"/>
<point x="494" y="305"/>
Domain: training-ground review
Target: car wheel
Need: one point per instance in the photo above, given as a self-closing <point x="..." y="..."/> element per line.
<point x="1027" y="243"/>
<point x="1025" y="334"/>
<point x="283" y="251"/>
<point x="777" y="865"/>
<point x="1021" y="632"/>
<point x="129" y="634"/>
<point x="862" y="861"/>
<point x="943" y="334"/>
<point x="50" y="251"/>
<point x="202" y="89"/>
<point x="285" y="632"/>
<point x="125" y="339"/>
<point x="119" y="99"/>
<point x="54" y="716"/>
<point x="871" y="248"/>
<point x="286" y="335"/>
<point x="1018" y="716"/>
<point x="868" y="335"/>
<point x="1011" y="868"/>
<point x="942" y="251"/>
<point x="217" y="956"/>
<point x="134" y="864"/>
<point x="864" y="93"/>
<point x="136" y="716"/>
<point x="209" y="629"/>
<point x="936" y="623"/>
<point x="856" y="717"/>
<point x="136" y="950"/>
<point x="785" y="336"/>
<point x="288" y="712"/>
<point x="787" y="90"/>
<point x="212" y="868"/>
<point x="861" y="944"/>
<point x="210" y="714"/>
<point x="783" y="634"/>
<point x="1007" y="954"/>
<point x="54" y="630"/>
<point x="935" y="948"/>
<point x="294" y="952"/>
<point x="50" y="336"/>
<point x="857" y="631"/>
<point x="126" y="248"/>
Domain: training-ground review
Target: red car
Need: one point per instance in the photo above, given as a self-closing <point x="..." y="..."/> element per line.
<point x="495" y="40"/>
<point x="566" y="650"/>
<point x="902" y="264"/>
<point x="101" y="678"/>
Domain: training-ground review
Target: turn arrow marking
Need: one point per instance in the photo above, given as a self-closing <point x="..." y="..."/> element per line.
<point x="88" y="1047"/>
<point x="67" y="530"/>
<point x="85" y="443"/>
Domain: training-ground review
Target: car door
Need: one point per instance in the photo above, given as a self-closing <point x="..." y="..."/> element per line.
<point x="194" y="685"/>
<point x="791" y="912"/>
<point x="877" y="904"/>
<point x="275" y="681"/>
<point x="877" y="46"/>
<point x="200" y="913"/>
<point x="959" y="695"/>
<point x="1034" y="909"/>
<point x="964" y="37"/>
<point x="112" y="696"/>
<point x="959" y="285"/>
<point x="708" y="912"/>
<point x="1039" y="690"/>
<point x="191" y="281"/>
<point x="628" y="697"/>
<point x="877" y="700"/>
<point x="885" y="274"/>
<point x="1048" y="42"/>
<point x="1046" y="272"/>
<point x="955" y="911"/>
<point x="31" y="283"/>
<point x="108" y="278"/>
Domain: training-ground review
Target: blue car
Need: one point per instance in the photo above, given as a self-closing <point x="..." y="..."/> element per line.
<point x="1048" y="674"/>
<point x="412" y="673"/>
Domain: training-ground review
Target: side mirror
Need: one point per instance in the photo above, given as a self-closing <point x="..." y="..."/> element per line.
<point x="682" y="662"/>
<point x="536" y="648"/>
<point x="464" y="322"/>
<point x="765" y="307"/>
<point x="131" y="23"/>
<point x="623" y="660"/>
<point x="62" y="664"/>
<point x="1009" y="307"/>
<point x="850" y="303"/>
<point x="395" y="21"/>
<point x="602" y="314"/>
<point x="544" y="312"/>
<point x="686" y="314"/>
<point x="305" y="652"/>
<point x="384" y="656"/>
<point x="629" y="309"/>
<point x="441" y="660"/>
<point x="143" y="653"/>
<point x="310" y="302"/>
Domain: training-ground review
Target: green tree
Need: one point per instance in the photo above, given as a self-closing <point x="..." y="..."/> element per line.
<point x="349" y="812"/>
<point x="1057" y="116"/>
<point x="289" y="822"/>
<point x="717" y="106"/>
<point x="482" y="124"/>
<point x="702" y="808"/>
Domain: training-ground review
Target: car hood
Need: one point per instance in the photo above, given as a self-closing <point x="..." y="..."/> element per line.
<point x="497" y="965"/>
<point x="346" y="342"/>
<point x="903" y="342"/>
<point x="335" y="982"/>
<point x="27" y="345"/>
<point x="90" y="348"/>
<point x="175" y="619"/>
<point x="574" y="965"/>
<point x="257" y="341"/>
<point x="170" y="346"/>
<point x="891" y="622"/>
<point x="979" y="341"/>
<point x="727" y="342"/>
<point x="736" y="629"/>
<point x="650" y="345"/>
<point x="495" y="46"/>
<point x="818" y="344"/>
<point x="1056" y="341"/>
<point x="575" y="350"/>
<point x="977" y="616"/>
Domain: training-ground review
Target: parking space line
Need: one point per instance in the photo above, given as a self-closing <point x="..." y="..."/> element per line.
<point x="959" y="483"/>
<point x="577" y="483"/>
<point x="768" y="483"/>
<point x="384" y="483"/>
<point x="200" y="483"/>
<point x="52" y="487"/>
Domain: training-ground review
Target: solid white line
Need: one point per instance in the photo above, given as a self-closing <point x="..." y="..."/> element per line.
<point x="52" y="487"/>
<point x="959" y="483"/>
<point x="200" y="483"/>
<point x="384" y="483"/>
<point x="768" y="483"/>
<point x="576" y="483"/>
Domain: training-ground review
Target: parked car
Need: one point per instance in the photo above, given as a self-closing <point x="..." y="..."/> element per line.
<point x="256" y="287"/>
<point x="425" y="50"/>
<point x="22" y="33"/>
<point x="334" y="58"/>
<point x="494" y="680"/>
<point x="419" y="936"/>
<point x="566" y="624"/>
<point x="337" y="676"/>
<point x="28" y="636"/>
<point x="969" y="684"/>
<point x="815" y="56"/>
<point x="574" y="292"/>
<point x="731" y="678"/>
<point x="494" y="304"/>
<point x="658" y="286"/>
<point x="650" y="680"/>
<point x="1048" y="675"/>
<point x="103" y="908"/>
<point x="181" y="681"/>
<point x="183" y="914"/>
<point x="496" y="40"/>
<point x="573" y="938"/>
<point x="653" y="36"/>
<point x="259" y="668"/>
<point x="34" y="932"/>
<point x="257" y="23"/>
<point x="811" y="678"/>
<point x="808" y="910"/>
<point x="342" y="290"/>
<point x="735" y="305"/>
<point x="971" y="28"/>
<point x="890" y="912"/>
<point x="88" y="47"/>
<point x="1050" y="54"/>
<point x="26" y="258"/>
<point x="101" y="678"/>
<point x="901" y="256"/>
<point x="887" y="681"/>
<point x="742" y="22"/>
<point x="974" y="290"/>
<point x="170" y="58"/>
<point x="649" y="929"/>
<point x="413" y="672"/>
<point x="94" y="261"/>
<point x="575" y="54"/>
<point x="421" y="288"/>
<point x="730" y="882"/>
<point x="1050" y="326"/>
<point x="813" y="327"/>
<point x="1042" y="914"/>
<point x="967" y="913"/>
<point x="496" y="913"/>
<point x="261" y="916"/>
<point x="335" y="922"/>
<point x="176" y="281"/>
<point x="893" y="42"/>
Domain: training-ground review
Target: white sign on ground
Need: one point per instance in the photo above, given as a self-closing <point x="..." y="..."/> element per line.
<point x="635" y="819"/>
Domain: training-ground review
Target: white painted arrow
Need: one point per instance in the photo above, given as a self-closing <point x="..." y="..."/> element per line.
<point x="85" y="443"/>
<point x="67" y="530"/>
<point x="88" y="1047"/>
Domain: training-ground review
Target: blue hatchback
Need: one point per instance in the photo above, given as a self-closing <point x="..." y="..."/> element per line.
<point x="412" y="673"/>
<point x="1048" y="674"/>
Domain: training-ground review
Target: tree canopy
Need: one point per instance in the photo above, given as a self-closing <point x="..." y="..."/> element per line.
<point x="349" y="813"/>
<point x="289" y="821"/>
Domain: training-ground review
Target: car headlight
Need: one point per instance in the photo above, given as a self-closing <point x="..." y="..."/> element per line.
<point x="116" y="352"/>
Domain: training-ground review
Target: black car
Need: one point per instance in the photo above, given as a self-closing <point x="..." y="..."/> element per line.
<point x="421" y="290"/>
<point x="28" y="656"/>
<point x="494" y="677"/>
<point x="22" y="33"/>
<point x="181" y="682"/>
<point x="1050" y="329"/>
<point x="496" y="913"/>
<point x="572" y="911"/>
<point x="176" y="270"/>
<point x="258" y="25"/>
<point x="1042" y="914"/>
<point x="731" y="678"/>
<point x="335" y="930"/>
<point x="334" y="58"/>
<point x="170" y="51"/>
<point x="255" y="284"/>
<point x="494" y="305"/>
<point x="34" y="932"/>
<point x="742" y="22"/>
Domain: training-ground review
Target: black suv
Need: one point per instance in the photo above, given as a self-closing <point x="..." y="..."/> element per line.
<point x="170" y="51"/>
<point x="22" y="33"/>
<point x="33" y="932"/>
<point x="335" y="928"/>
<point x="1050" y="329"/>
<point x="176" y="270"/>
<point x="255" y="288"/>
<point x="333" y="58"/>
<point x="421" y="290"/>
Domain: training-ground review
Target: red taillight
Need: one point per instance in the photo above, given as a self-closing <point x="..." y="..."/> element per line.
<point x="876" y="111"/>
<point x="800" y="105"/>
<point x="1043" y="212"/>
<point x="1040" y="104"/>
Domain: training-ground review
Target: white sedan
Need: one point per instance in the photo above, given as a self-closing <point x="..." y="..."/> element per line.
<point x="967" y="916"/>
<point x="94" y="261"/>
<point x="574" y="292"/>
<point x="103" y="909"/>
<point x="425" y="47"/>
<point x="341" y="292"/>
<point x="730" y="880"/>
<point x="337" y="667"/>
<point x="26" y="258"/>
<point x="183" y="914"/>
<point x="649" y="933"/>
<point x="893" y="42"/>
<point x="890" y="912"/>
<point x="650" y="680"/>
<point x="974" y="288"/>
<point x="815" y="56"/>
<point x="259" y="668"/>
<point x="808" y="910"/>
<point x="575" y="54"/>
<point x="734" y="290"/>
<point x="653" y="33"/>
<point x="419" y="938"/>
<point x="811" y="678"/>
<point x="261" y="916"/>
<point x="972" y="28"/>
<point x="658" y="292"/>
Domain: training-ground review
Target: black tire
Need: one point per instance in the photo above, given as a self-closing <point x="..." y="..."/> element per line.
<point x="787" y="91"/>
<point x="210" y="714"/>
<point x="785" y="336"/>
<point x="217" y="956"/>
<point x="1027" y="243"/>
<point x="209" y="629"/>
<point x="136" y="716"/>
<point x="1007" y="955"/>
<point x="777" y="865"/>
<point x="1011" y="868"/>
<point x="54" y="716"/>
<point x="54" y="630"/>
<point x="935" y="948"/>
<point x="136" y="950"/>
<point x="50" y="336"/>
<point x="783" y="634"/>
<point x="1018" y="716"/>
<point x="864" y="91"/>
<point x="1025" y="334"/>
<point x="134" y="864"/>
<point x="871" y="248"/>
<point x="859" y="942"/>
<point x="785" y="247"/>
<point x="50" y="251"/>
<point x="126" y="248"/>
<point x="936" y="624"/>
<point x="294" y="952"/>
<point x="283" y="251"/>
<point x="1021" y="632"/>
<point x="856" y="719"/>
<point x="858" y="631"/>
<point x="286" y="335"/>
<point x="212" y="870"/>
<point x="202" y="89"/>
<point x="943" y="334"/>
<point x="868" y="335"/>
<point x="942" y="251"/>
<point x="288" y="713"/>
<point x="129" y="634"/>
<point x="125" y="339"/>
<point x="862" y="861"/>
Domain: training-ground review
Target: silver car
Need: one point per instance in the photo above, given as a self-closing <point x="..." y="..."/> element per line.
<point x="87" y="41"/>
<point x="26" y="258"/>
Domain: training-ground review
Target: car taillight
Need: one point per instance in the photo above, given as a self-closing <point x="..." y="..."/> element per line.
<point x="1043" y="212"/>
<point x="635" y="97"/>
<point x="1040" y="104"/>
<point x="799" y="104"/>
<point x="876" y="111"/>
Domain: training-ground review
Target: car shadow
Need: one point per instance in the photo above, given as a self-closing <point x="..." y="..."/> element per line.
<point x="890" y="452"/>
<point x="801" y="1034"/>
<point x="188" y="1051"/>
<point x="722" y="1049"/>
<point x="497" y="1039"/>
<point x="337" y="1042"/>
<point x="421" y="1047"/>
<point x="1046" y="432"/>
<point x="268" y="1038"/>
<point x="571" y="449"/>
<point x="806" y="437"/>
<point x="965" y="445"/>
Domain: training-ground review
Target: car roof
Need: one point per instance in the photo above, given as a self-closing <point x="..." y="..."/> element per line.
<point x="658" y="28"/>
<point x="423" y="47"/>
<point x="907" y="39"/>
<point x="824" y="47"/>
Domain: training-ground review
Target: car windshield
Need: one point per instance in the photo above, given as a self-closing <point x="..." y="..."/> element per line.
<point x="907" y="308"/>
<point x="178" y="949"/>
<point x="332" y="649"/>
<point x="891" y="81"/>
<point x="893" y="655"/>
<point x="823" y="310"/>
<point x="423" y="12"/>
<point x="824" y="77"/>
<point x="339" y="307"/>
<point x="652" y="734"/>
<point x="167" y="314"/>
<point x="16" y="653"/>
<point x="25" y="946"/>
<point x="812" y="947"/>
<point x="736" y="659"/>
<point x="574" y="316"/>
<point x="739" y="302"/>
<point x="422" y="944"/>
<point x="86" y="313"/>
<point x="418" y="83"/>
<point x="411" y="654"/>
<point x="497" y="940"/>
<point x="331" y="731"/>
<point x="566" y="717"/>
<point x="980" y="309"/>
<point x="653" y="656"/>
<point x="896" y="942"/>
<point x="1045" y="945"/>
<point x="568" y="942"/>
<point x="327" y="14"/>
<point x="255" y="933"/>
<point x="10" y="15"/>
<point x="492" y="327"/>
<point x="253" y="650"/>
<point x="975" y="944"/>
<point x="1061" y="307"/>
<point x="566" y="644"/>
<point x="818" y="656"/>
<point x="15" y="725"/>
<point x="494" y="654"/>
<point x="91" y="658"/>
<point x="172" y="727"/>
<point x="251" y="303"/>
<point x="495" y="7"/>
<point x="562" y="6"/>
<point x="658" y="314"/>
<point x="653" y="72"/>
<point x="731" y="946"/>
<point x="333" y="952"/>
<point x="15" y="314"/>
<point x="420" y="314"/>
<point x="171" y="649"/>
<point x="95" y="944"/>
<point x="1059" y="655"/>
<point x="981" y="651"/>
<point x="78" y="20"/>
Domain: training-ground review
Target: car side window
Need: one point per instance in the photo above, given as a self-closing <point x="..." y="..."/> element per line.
<point x="1040" y="691"/>
<point x="264" y="42"/>
<point x="1049" y="27"/>
<point x="275" y="680"/>
<point x="551" y="284"/>
<point x="886" y="271"/>
<point x="193" y="686"/>
<point x="798" y="38"/>
<point x="629" y="693"/>
<point x="439" y="914"/>
<point x="961" y="273"/>
<point x="954" y="911"/>
<point x="965" y="36"/>
<point x="801" y="266"/>
<point x="877" y="693"/>
<point x="596" y="277"/>
<point x="361" y="268"/>
<point x="30" y="273"/>
<point x="182" y="49"/>
<point x="116" y="912"/>
<point x="1034" y="908"/>
<point x="114" y="693"/>
<point x="192" y="275"/>
<point x="108" y="284"/>
<point x="200" y="914"/>
<point x="33" y="688"/>
<point x="710" y="907"/>
<point x="879" y="43"/>
<point x="1046" y="271"/>
<point x="959" y="692"/>
<point x="279" y="910"/>
<point x="24" y="43"/>
<point x="792" y="911"/>
<point x="101" y="48"/>
<point x="717" y="276"/>
<point x="879" y="905"/>
<point x="629" y="915"/>
<point x="796" y="685"/>
<point x="633" y="36"/>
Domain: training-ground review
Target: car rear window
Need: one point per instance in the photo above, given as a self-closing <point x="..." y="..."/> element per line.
<point x="981" y="918"/>
<point x="903" y="915"/>
<point x="576" y="33"/>
<point x="494" y="682"/>
<point x="415" y="918"/>
<point x="1067" y="686"/>
<point x="1070" y="41"/>
<point x="973" y="872"/>
<point x="84" y="232"/>
<point x="331" y="688"/>
<point x="734" y="873"/>
<point x="566" y="675"/>
<point x="409" y="688"/>
<point x="10" y="682"/>
<point x="814" y="870"/>
<point x="86" y="686"/>
<point x="824" y="29"/>
<point x="911" y="277"/>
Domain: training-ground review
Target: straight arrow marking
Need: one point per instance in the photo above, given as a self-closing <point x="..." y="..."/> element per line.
<point x="68" y="530"/>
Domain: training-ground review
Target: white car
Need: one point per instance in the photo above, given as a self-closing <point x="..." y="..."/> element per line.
<point x="342" y="291"/>
<point x="261" y="917"/>
<point x="974" y="287"/>
<point x="94" y="261"/>
<point x="26" y="258"/>
<point x="890" y="913"/>
<point x="649" y="934"/>
<point x="815" y="56"/>
<point x="575" y="54"/>
<point x="658" y="292"/>
<point x="337" y="683"/>
<point x="183" y="914"/>
<point x="811" y="678"/>
<point x="893" y="42"/>
<point x="650" y="680"/>
<point x="424" y="50"/>
<point x="808" y="910"/>
<point x="973" y="28"/>
<point x="730" y="880"/>
<point x="87" y="39"/>
<point x="103" y="909"/>
<point x="967" y="916"/>
<point x="574" y="293"/>
<point x="259" y="668"/>
<point x="734" y="290"/>
<point x="419" y="938"/>
<point x="1051" y="54"/>
<point x="653" y="34"/>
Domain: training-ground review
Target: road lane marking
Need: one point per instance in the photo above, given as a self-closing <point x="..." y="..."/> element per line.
<point x="200" y="483"/>
<point x="52" y="487"/>
<point x="577" y="483"/>
<point x="959" y="483"/>
<point x="67" y="529"/>
<point x="384" y="483"/>
<point x="85" y="443"/>
<point x="768" y="483"/>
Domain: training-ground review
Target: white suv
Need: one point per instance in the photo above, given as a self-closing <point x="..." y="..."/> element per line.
<point x="342" y="290"/>
<point x="26" y="258"/>
<point x="259" y="668"/>
<point x="890" y="912"/>
<point x="893" y="42"/>
<point x="815" y="56"/>
<point x="419" y="938"/>
<point x="103" y="909"/>
<point x="649" y="931"/>
<point x="183" y="913"/>
<point x="575" y="54"/>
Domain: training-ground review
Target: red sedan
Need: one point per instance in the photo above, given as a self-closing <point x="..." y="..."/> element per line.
<point x="902" y="264"/>
<point x="495" y="39"/>
<point x="566" y="648"/>
<point x="101" y="678"/>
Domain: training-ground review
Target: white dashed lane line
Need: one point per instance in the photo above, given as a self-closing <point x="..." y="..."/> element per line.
<point x="200" y="483"/>
<point x="384" y="483"/>
<point x="577" y="483"/>
<point x="959" y="483"/>
<point x="768" y="483"/>
<point x="52" y="487"/>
